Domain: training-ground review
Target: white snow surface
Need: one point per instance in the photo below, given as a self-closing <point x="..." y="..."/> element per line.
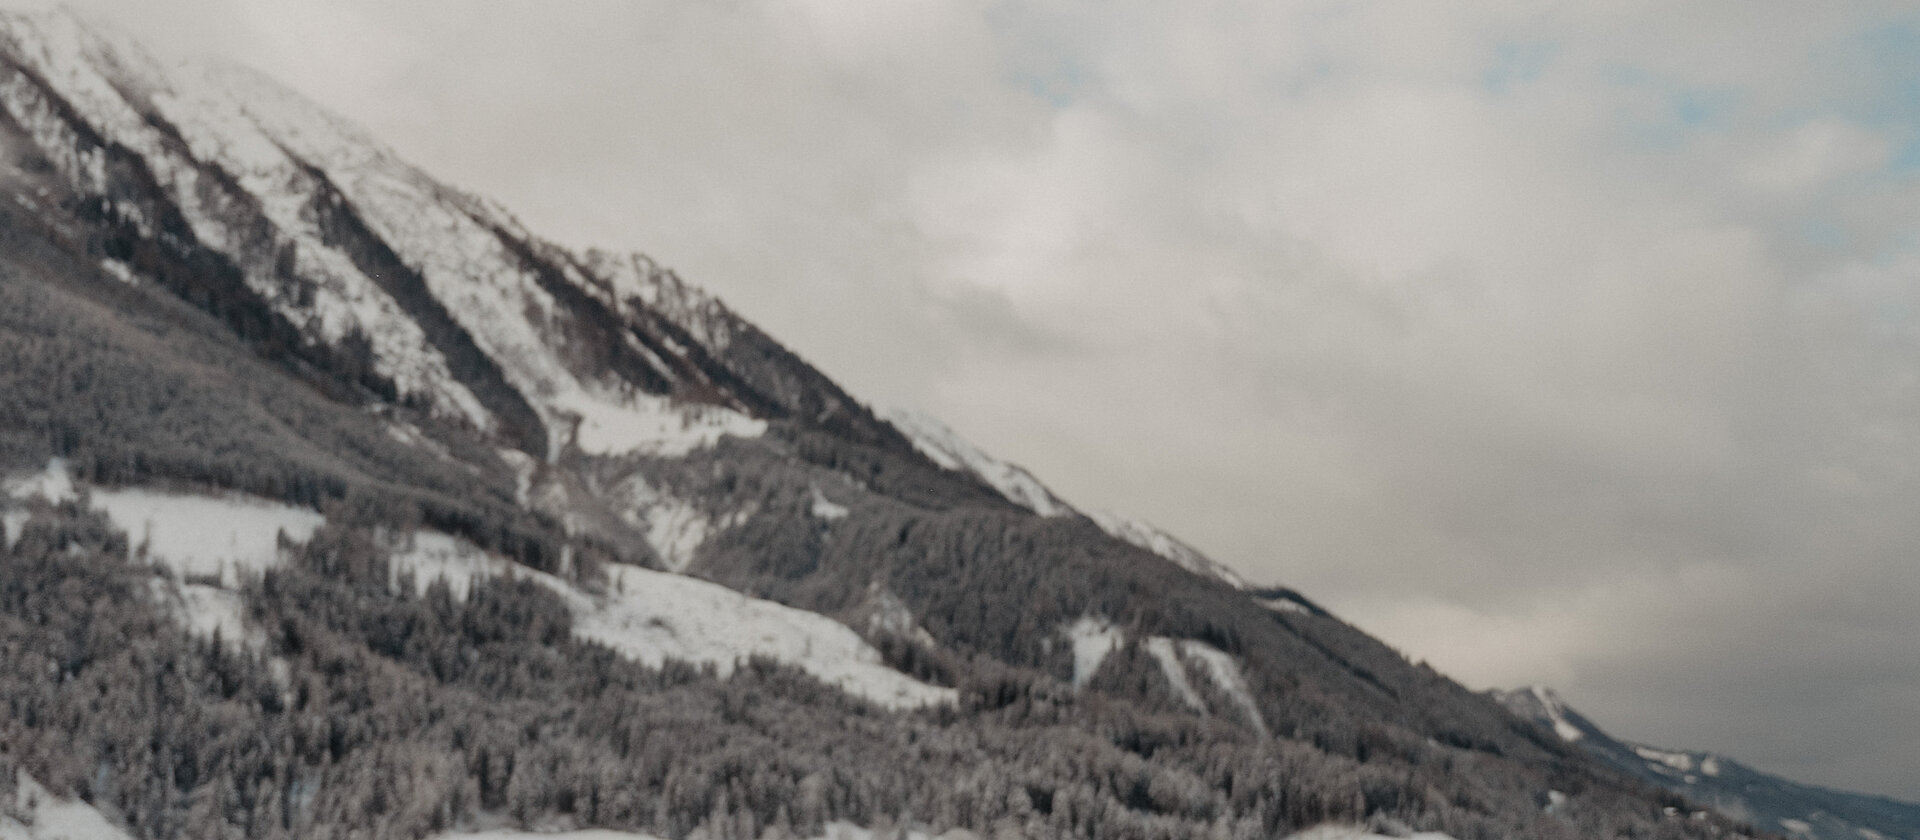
<point x="205" y="536"/>
<point x="1092" y="638"/>
<point x="192" y="534"/>
<point x="1166" y="545"/>
<point x="13" y="522"/>
<point x="849" y="831"/>
<point x="120" y="271"/>
<point x="212" y="539"/>
<point x="825" y="508"/>
<point x="651" y="616"/>
<point x="1226" y="674"/>
<point x="1799" y="827"/>
<point x="1557" y="713"/>
<point x="431" y="556"/>
<point x="947" y="448"/>
<point x="1676" y="760"/>
<point x="44" y="816"/>
<point x="1286" y="605"/>
<point x="675" y="528"/>
<point x="53" y="484"/>
<point x="646" y="424"/>
<point x="207" y="611"/>
<point x="1556" y="801"/>
<point x="1347" y="832"/>
<point x="509" y="834"/>
<point x="831" y="831"/>
<point x="285" y="153"/>
<point x="1162" y="650"/>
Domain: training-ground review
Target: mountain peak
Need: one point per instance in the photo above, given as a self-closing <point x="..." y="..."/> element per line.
<point x="1713" y="780"/>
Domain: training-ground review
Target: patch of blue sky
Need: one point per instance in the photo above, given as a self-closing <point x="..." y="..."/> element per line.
<point x="1516" y="63"/>
<point x="1889" y="56"/>
<point x="1058" y="84"/>
<point x="1683" y="111"/>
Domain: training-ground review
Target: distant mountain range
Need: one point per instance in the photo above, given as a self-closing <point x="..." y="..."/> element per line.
<point x="1769" y="802"/>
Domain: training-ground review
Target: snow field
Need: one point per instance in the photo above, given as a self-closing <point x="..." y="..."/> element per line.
<point x="1343" y="832"/>
<point x="1094" y="638"/>
<point x="651" y="616"/>
<point x="48" y="817"/>
<point x="1161" y="648"/>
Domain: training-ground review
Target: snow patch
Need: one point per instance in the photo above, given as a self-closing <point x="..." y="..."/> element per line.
<point x="825" y="508"/>
<point x="1347" y="832"/>
<point x="848" y="831"/>
<point x="1285" y="605"/>
<point x="120" y="271"/>
<point x="205" y="536"/>
<point x="1166" y="545"/>
<point x="1161" y="648"/>
<point x="208" y="612"/>
<point x="1556" y="710"/>
<point x="1710" y="766"/>
<point x="1093" y="638"/>
<point x="432" y="556"/>
<point x="13" y="523"/>
<point x="524" y="467"/>
<point x="947" y="448"/>
<point x="584" y="834"/>
<point x="36" y="814"/>
<point x="831" y="831"/>
<point x="1799" y="827"/>
<point x="1676" y="760"/>
<point x="650" y="425"/>
<point x="52" y="485"/>
<point x="1226" y="674"/>
<point x="651" y="616"/>
<point x="674" y="527"/>
<point x="891" y="615"/>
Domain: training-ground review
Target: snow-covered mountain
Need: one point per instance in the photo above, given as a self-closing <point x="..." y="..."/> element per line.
<point x="338" y="503"/>
<point x="1772" y="803"/>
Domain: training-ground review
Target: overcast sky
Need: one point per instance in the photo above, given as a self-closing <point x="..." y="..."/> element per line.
<point x="1573" y="345"/>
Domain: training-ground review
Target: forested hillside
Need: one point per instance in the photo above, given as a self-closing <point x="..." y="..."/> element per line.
<point x="338" y="504"/>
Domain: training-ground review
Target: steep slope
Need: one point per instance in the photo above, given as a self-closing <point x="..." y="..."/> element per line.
<point x="559" y="541"/>
<point x="1718" y="782"/>
<point x="952" y="452"/>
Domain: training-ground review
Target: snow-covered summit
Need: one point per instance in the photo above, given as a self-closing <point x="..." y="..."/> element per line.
<point x="455" y="303"/>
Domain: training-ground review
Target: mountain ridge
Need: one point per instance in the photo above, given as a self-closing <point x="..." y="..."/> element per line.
<point x="1724" y="784"/>
<point x="226" y="314"/>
